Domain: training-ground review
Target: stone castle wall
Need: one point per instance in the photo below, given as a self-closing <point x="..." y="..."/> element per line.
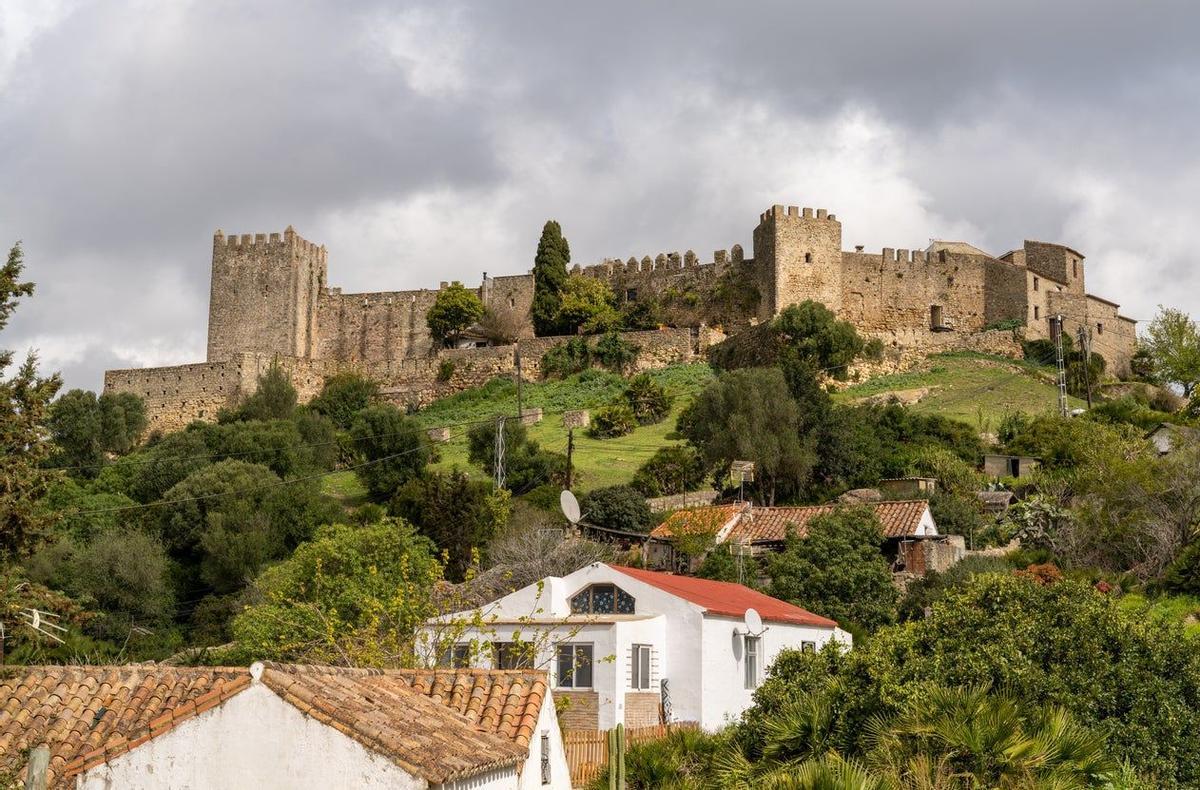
<point x="270" y="301"/>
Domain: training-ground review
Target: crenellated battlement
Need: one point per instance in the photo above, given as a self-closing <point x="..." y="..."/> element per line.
<point x="662" y="262"/>
<point x="778" y="212"/>
<point x="267" y="242"/>
<point x="900" y="255"/>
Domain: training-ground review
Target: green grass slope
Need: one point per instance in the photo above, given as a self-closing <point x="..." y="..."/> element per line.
<point x="976" y="388"/>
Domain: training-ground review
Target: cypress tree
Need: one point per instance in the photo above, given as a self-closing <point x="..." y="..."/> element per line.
<point x="549" y="278"/>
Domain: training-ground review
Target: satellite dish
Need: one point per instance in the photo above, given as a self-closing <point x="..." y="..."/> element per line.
<point x="753" y="622"/>
<point x="570" y="506"/>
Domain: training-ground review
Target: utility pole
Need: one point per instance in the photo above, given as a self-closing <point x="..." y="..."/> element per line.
<point x="570" y="452"/>
<point x="499" y="452"/>
<point x="520" y="411"/>
<point x="1085" y="342"/>
<point x="1062" y="367"/>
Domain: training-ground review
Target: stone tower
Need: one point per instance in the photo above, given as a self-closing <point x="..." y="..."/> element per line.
<point x="264" y="295"/>
<point x="799" y="252"/>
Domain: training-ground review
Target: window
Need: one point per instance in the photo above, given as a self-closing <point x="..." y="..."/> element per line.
<point x="511" y="655"/>
<point x="935" y="316"/>
<point x="751" y="659"/>
<point x="574" y="666"/>
<point x="1074" y="268"/>
<point x="545" y="757"/>
<point x="1014" y="467"/>
<point x="456" y="656"/>
<point x="1099" y="328"/>
<point x="808" y="257"/>
<point x="602" y="599"/>
<point x="1037" y="312"/>
<point x="512" y="302"/>
<point x="808" y="647"/>
<point x="1036" y="283"/>
<point x="630" y="294"/>
<point x="639" y="667"/>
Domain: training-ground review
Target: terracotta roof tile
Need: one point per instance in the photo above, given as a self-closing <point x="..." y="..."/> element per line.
<point x="438" y="724"/>
<point x="726" y="598"/>
<point x="769" y="524"/>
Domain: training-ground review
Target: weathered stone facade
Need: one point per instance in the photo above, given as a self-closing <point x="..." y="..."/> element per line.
<point x="270" y="301"/>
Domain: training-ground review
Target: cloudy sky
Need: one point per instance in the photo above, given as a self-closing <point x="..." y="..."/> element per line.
<point x="424" y="142"/>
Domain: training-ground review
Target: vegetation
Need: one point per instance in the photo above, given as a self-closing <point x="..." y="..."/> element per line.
<point x="392" y="447"/>
<point x="458" y="514"/>
<point x="807" y="334"/>
<point x="837" y="570"/>
<point x="587" y="307"/>
<point x="454" y="310"/>
<point x="1173" y="347"/>
<point x="608" y="422"/>
<point x="671" y="470"/>
<point x="549" y="279"/>
<point x="618" y="507"/>
<point x="343" y="396"/>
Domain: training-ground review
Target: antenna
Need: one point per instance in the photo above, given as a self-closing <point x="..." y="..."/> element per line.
<point x="570" y="507"/>
<point x="33" y="619"/>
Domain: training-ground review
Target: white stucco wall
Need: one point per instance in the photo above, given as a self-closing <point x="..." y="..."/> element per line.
<point x="560" y="772"/>
<point x="723" y="686"/>
<point x="256" y="740"/>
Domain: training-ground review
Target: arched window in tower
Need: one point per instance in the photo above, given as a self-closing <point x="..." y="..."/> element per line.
<point x="602" y="599"/>
<point x="808" y="257"/>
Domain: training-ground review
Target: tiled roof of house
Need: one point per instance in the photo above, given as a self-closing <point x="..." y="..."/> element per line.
<point x="726" y="598"/>
<point x="434" y="724"/>
<point x="699" y="519"/>
<point x="767" y="524"/>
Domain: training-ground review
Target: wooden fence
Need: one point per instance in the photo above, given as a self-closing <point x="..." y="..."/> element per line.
<point x="587" y="750"/>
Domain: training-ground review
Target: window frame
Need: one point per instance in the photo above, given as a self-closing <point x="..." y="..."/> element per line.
<point x="751" y="659"/>
<point x="640" y="678"/>
<point x="455" y="656"/>
<point x="575" y="649"/>
<point x="522" y="650"/>
<point x="590" y="591"/>
<point x="808" y="646"/>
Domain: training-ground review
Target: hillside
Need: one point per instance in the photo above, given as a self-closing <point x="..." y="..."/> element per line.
<point x="976" y="388"/>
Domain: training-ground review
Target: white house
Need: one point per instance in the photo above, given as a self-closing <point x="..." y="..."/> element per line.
<point x="282" y="727"/>
<point x="626" y="645"/>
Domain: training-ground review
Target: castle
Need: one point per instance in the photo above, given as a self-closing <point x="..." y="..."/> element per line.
<point x="270" y="303"/>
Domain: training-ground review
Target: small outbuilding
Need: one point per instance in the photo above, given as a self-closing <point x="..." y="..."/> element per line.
<point x="997" y="466"/>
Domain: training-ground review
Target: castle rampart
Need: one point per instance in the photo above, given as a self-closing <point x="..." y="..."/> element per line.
<point x="270" y="302"/>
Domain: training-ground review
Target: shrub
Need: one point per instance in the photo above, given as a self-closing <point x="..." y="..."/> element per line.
<point x="807" y="334"/>
<point x="274" y="399"/>
<point x="458" y="514"/>
<point x="616" y="353"/>
<point x="526" y="465"/>
<point x="454" y="309"/>
<point x="393" y="447"/>
<point x="343" y="396"/>
<point x="445" y="370"/>
<point x="675" y="469"/>
<point x="609" y="422"/>
<point x="618" y="507"/>
<point x="648" y="400"/>
<point x="1011" y="323"/>
<point x="567" y="359"/>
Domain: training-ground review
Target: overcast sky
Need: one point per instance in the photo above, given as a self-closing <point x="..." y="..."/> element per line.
<point x="425" y="142"/>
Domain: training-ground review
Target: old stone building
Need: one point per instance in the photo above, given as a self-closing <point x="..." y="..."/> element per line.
<point x="270" y="302"/>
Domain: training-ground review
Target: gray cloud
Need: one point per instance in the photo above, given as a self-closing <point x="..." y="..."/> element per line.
<point x="428" y="141"/>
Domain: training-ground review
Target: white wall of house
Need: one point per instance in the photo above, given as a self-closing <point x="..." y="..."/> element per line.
<point x="560" y="772"/>
<point x="723" y="688"/>
<point x="694" y="651"/>
<point x="255" y="740"/>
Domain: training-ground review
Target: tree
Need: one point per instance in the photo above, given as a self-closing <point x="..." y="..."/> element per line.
<point x="549" y="279"/>
<point x="75" y="425"/>
<point x="226" y="521"/>
<point x="393" y="448"/>
<point x="806" y="334"/>
<point x="458" y="514"/>
<point x="586" y="306"/>
<point x="343" y="396"/>
<point x="526" y="464"/>
<point x="453" y="311"/>
<point x="24" y="402"/>
<point x="274" y="399"/>
<point x="1173" y="342"/>
<point x="750" y="415"/>
<point x="837" y="570"/>
<point x="649" y="401"/>
<point x="674" y="469"/>
<point x="1133" y="679"/>
<point x="618" y="507"/>
<point x="122" y="421"/>
<point x="352" y="596"/>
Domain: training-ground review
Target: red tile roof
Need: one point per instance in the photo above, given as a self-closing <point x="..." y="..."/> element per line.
<point x="766" y="524"/>
<point x="726" y="598"/>
<point x="437" y="724"/>
<point x="898" y="519"/>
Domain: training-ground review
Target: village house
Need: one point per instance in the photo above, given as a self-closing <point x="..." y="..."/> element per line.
<point x="284" y="727"/>
<point x="911" y="542"/>
<point x="638" y="647"/>
<point x="997" y="466"/>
